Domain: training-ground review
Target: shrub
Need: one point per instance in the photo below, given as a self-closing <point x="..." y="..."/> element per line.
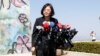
<point x="89" y="47"/>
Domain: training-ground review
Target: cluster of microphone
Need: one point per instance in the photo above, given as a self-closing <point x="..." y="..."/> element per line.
<point x="58" y="33"/>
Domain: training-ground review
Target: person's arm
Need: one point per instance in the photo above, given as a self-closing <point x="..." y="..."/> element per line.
<point x="36" y="23"/>
<point x="33" y="33"/>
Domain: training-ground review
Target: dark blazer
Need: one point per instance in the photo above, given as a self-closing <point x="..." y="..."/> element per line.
<point x="39" y="21"/>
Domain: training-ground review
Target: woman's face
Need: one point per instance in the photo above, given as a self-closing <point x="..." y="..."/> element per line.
<point x="47" y="11"/>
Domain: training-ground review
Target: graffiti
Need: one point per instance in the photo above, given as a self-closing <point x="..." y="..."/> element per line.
<point x="7" y="3"/>
<point x="18" y="3"/>
<point x="24" y="20"/>
<point x="15" y="30"/>
<point x="22" y="45"/>
<point x="4" y="4"/>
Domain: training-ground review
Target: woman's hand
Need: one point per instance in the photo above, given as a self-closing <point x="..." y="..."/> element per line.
<point x="33" y="49"/>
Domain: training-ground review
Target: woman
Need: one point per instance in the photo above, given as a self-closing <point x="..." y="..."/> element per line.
<point x="47" y="15"/>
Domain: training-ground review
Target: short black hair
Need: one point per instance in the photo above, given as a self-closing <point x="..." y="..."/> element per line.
<point x="52" y="10"/>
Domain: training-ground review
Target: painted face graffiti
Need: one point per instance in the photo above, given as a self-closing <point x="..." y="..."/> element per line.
<point x="24" y="20"/>
<point x="22" y="17"/>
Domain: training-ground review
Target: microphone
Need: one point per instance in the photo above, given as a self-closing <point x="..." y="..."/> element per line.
<point x="52" y="24"/>
<point x="66" y="26"/>
<point x="54" y="27"/>
<point x="46" y="25"/>
<point x="39" y="27"/>
<point x="59" y="26"/>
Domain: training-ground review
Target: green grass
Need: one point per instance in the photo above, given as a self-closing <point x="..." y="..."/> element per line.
<point x="89" y="47"/>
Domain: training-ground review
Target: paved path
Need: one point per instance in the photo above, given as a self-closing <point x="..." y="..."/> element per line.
<point x="69" y="53"/>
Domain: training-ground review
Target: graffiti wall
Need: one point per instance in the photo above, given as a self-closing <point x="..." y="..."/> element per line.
<point x="15" y="26"/>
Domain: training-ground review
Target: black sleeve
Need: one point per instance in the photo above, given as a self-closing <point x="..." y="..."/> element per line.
<point x="36" y="24"/>
<point x="33" y="33"/>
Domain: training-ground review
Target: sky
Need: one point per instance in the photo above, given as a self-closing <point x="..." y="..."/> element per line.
<point x="80" y="14"/>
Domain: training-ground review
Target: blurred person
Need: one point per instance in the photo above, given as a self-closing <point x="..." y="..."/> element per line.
<point x="93" y="35"/>
<point x="45" y="48"/>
